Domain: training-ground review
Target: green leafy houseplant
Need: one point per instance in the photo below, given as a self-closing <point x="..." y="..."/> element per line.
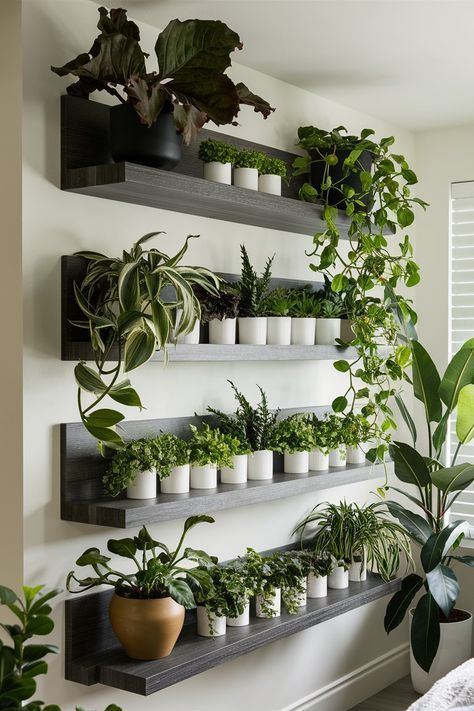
<point x="135" y="456"/>
<point x="356" y="429"/>
<point x="304" y="303"/>
<point x="253" y="288"/>
<point x="22" y="661"/>
<point x="273" y="166"/>
<point x="246" y="158"/>
<point x="331" y="309"/>
<point x="218" y="151"/>
<point x="170" y="451"/>
<point x="322" y="434"/>
<point x="436" y="489"/>
<point x="124" y="303"/>
<point x="192" y="58"/>
<point x="266" y="578"/>
<point x="224" y="304"/>
<point x="211" y="446"/>
<point x="276" y="303"/>
<point x="293" y="434"/>
<point x="332" y="531"/>
<point x="159" y="571"/>
<point x="289" y="571"/>
<point x="252" y="426"/>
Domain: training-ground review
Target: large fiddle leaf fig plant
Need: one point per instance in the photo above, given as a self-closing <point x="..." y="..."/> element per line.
<point x="437" y="487"/>
<point x="365" y="191"/>
<point x="137" y="303"/>
<point x="192" y="58"/>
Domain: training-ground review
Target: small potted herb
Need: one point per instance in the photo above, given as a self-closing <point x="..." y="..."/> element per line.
<point x="247" y="164"/>
<point x="220" y="312"/>
<point x="304" y="307"/>
<point x="253" y="290"/>
<point x="337" y="445"/>
<point x="320" y="566"/>
<point x="271" y="170"/>
<point x="357" y="431"/>
<point x="236" y="472"/>
<point x="147" y="610"/>
<point x="210" y="449"/>
<point x="276" y="308"/>
<point x="218" y="158"/>
<point x="172" y="463"/>
<point x="319" y="455"/>
<point x="293" y="437"/>
<point x="254" y="426"/>
<point x="133" y="468"/>
<point x="328" y="322"/>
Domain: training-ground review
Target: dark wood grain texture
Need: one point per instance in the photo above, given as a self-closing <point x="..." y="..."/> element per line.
<point x="94" y="656"/>
<point x="82" y="468"/>
<point x="87" y="168"/>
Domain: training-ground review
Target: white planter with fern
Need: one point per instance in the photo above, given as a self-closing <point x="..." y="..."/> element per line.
<point x="241" y="620"/>
<point x="260" y="465"/>
<point x="272" y="602"/>
<point x="338" y="457"/>
<point x="218" y="172"/>
<point x="296" y="462"/>
<point x="318" y="461"/>
<point x="357" y="571"/>
<point x="269" y="184"/>
<point x="246" y="178"/>
<point x="222" y="332"/>
<point x="177" y="482"/>
<point x="338" y="579"/>
<point x="356" y="455"/>
<point x="302" y="597"/>
<point x="208" y="624"/>
<point x="236" y="474"/>
<point x="203" y="476"/>
<point x="143" y="486"/>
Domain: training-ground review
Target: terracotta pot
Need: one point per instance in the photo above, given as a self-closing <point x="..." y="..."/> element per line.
<point x="147" y="629"/>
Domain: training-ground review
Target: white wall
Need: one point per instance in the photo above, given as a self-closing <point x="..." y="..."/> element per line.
<point x="57" y="223"/>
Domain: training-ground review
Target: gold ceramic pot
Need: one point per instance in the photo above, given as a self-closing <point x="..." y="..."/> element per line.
<point x="147" y="629"/>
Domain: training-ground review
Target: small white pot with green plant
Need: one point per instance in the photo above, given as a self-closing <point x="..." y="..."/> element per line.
<point x="247" y="164"/>
<point x="267" y="584"/>
<point x="293" y="437"/>
<point x="220" y="313"/>
<point x="209" y="450"/>
<point x="133" y="468"/>
<point x="234" y="427"/>
<point x="304" y="307"/>
<point x="240" y="585"/>
<point x="328" y="323"/>
<point x="271" y="170"/>
<point x="193" y="337"/>
<point x="319" y="567"/>
<point x="357" y="432"/>
<point x="294" y="588"/>
<point x="319" y="454"/>
<point x="218" y="158"/>
<point x="172" y="464"/>
<point x="276" y="308"/>
<point x="253" y="290"/>
<point x="211" y="603"/>
<point x="336" y="443"/>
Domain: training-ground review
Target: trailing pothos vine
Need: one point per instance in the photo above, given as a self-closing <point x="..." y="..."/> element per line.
<point x="366" y="192"/>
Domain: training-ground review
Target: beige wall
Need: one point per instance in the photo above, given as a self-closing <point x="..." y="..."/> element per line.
<point x="350" y="655"/>
<point x="11" y="504"/>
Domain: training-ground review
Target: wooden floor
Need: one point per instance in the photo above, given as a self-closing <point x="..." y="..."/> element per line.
<point x="397" y="697"/>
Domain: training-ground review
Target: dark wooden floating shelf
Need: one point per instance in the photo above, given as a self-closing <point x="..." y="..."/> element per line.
<point x="94" y="656"/>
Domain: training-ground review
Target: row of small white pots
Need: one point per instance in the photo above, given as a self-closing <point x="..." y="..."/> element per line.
<point x="315" y="461"/>
<point x="243" y="177"/>
<point x="269" y="330"/>
<point x="314" y="587"/>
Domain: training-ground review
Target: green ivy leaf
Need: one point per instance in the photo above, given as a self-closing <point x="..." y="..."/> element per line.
<point x="405" y="216"/>
<point x="339" y="404"/>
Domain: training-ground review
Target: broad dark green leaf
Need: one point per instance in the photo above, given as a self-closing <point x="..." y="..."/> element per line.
<point x="7" y="596"/>
<point x="410" y="467"/>
<point x="401" y="601"/>
<point x="339" y="404"/>
<point x="40" y="624"/>
<point x="426" y="382"/>
<point x="444" y="587"/>
<point x="124" y="547"/>
<point x="92" y="556"/>
<point x="416" y="526"/>
<point x="425" y="631"/>
<point x="104" y="418"/>
<point x="438" y="544"/>
<point x="407" y="418"/>
<point x="439" y="435"/>
<point x="104" y="434"/>
<point x="453" y="478"/>
<point x="35" y="668"/>
<point x="139" y="348"/>
<point x="125" y="395"/>
<point x="460" y="372"/>
<point x="405" y="216"/>
<point x="88" y="379"/>
<point x="33" y="652"/>
<point x="341" y="365"/>
<point x="181" y="593"/>
<point x="194" y="520"/>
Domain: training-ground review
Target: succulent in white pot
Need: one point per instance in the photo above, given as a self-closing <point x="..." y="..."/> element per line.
<point x="252" y="289"/>
<point x="293" y="437"/>
<point x="247" y="164"/>
<point x="276" y="309"/>
<point x="304" y="307"/>
<point x="133" y="468"/>
<point x="328" y="323"/>
<point x="218" y="158"/>
<point x="271" y="173"/>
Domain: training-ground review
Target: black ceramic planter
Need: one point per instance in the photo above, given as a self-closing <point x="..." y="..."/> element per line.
<point x="158" y="146"/>
<point x="335" y="171"/>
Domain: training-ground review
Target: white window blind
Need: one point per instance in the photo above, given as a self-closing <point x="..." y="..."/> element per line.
<point x="461" y="316"/>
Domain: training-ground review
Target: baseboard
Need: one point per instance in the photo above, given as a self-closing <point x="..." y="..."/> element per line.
<point x="360" y="684"/>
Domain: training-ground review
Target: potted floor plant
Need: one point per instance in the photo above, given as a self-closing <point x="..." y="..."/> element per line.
<point x="271" y="172"/>
<point x="253" y="290"/>
<point x="133" y="468"/>
<point x="304" y="307"/>
<point x="189" y="89"/>
<point x="209" y="450"/>
<point x="172" y="463"/>
<point x="321" y="435"/>
<point x="148" y="606"/>
<point x="253" y="426"/>
<point x="247" y="164"/>
<point x="218" y="158"/>
<point x="440" y="633"/>
<point x="293" y="437"/>
<point x="276" y="308"/>
<point x="220" y="312"/>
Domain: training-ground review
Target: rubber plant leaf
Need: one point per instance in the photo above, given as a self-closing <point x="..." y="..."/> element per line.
<point x="444" y="587"/>
<point x="425" y="631"/>
<point x="401" y="601"/>
<point x="438" y="544"/>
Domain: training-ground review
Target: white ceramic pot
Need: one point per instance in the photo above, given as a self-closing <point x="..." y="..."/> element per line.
<point x="218" y="172"/>
<point x="241" y="620"/>
<point x="177" y="482"/>
<point x="318" y="461"/>
<point x="357" y="572"/>
<point x="317" y="586"/>
<point x="237" y="474"/>
<point x="203" y="477"/>
<point x="260" y="465"/>
<point x="355" y="455"/>
<point x="246" y="178"/>
<point x="204" y="628"/>
<point x="327" y="330"/>
<point x="337" y="457"/>
<point x="454" y="649"/>
<point x="222" y="333"/>
<point x="273" y="601"/>
<point x="302" y="331"/>
<point x="296" y="463"/>
<point x="252" y="330"/>
<point x="301" y="600"/>
<point x="339" y="578"/>
<point x="269" y="184"/>
<point x="143" y="485"/>
<point x="279" y="330"/>
<point x="191" y="338"/>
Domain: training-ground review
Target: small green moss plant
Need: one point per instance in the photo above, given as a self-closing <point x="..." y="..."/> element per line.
<point x="246" y="158"/>
<point x="273" y="166"/>
<point x="294" y="434"/>
<point x="218" y="151"/>
<point x="136" y="456"/>
<point x="211" y="446"/>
